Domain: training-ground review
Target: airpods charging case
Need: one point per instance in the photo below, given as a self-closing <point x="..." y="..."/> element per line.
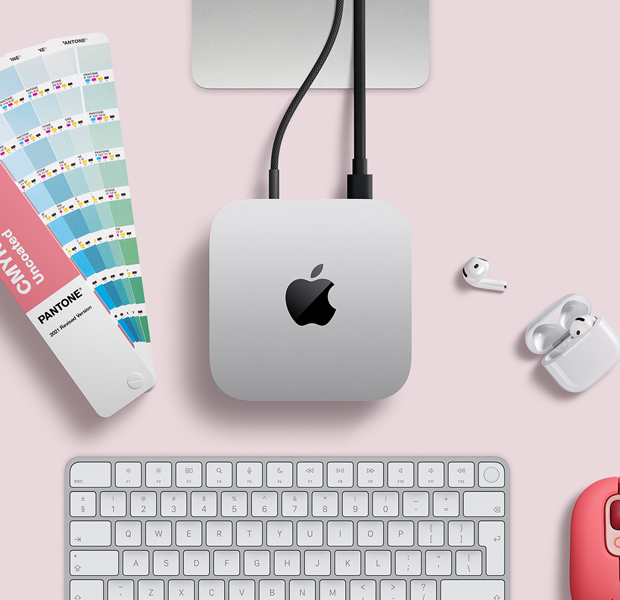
<point x="575" y="363"/>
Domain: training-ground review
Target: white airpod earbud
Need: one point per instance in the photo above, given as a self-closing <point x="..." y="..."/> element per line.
<point x="582" y="325"/>
<point x="475" y="271"/>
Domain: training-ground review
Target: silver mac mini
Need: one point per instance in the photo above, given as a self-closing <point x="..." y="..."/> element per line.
<point x="310" y="300"/>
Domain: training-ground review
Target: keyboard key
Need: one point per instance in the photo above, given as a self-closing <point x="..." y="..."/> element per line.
<point x="128" y="533"/>
<point x="180" y="588"/>
<point x="348" y="562"/>
<point x="208" y="589"/>
<point x="385" y="504"/>
<point x="302" y="590"/>
<point x="487" y="589"/>
<point x="166" y="562"/>
<point x="174" y="504"/>
<point x="370" y="533"/>
<point x="430" y="533"/>
<point x="256" y="562"/>
<point x="378" y="562"/>
<point x="113" y="504"/>
<point x="469" y="562"/>
<point x="287" y="563"/>
<point x="309" y="533"/>
<point x="219" y="474"/>
<point x="490" y="474"/>
<point x="332" y="590"/>
<point x="324" y="504"/>
<point x="430" y="475"/>
<point x="135" y="562"/>
<point x="363" y="589"/>
<point x="355" y="504"/>
<point x="234" y="504"/>
<point x="226" y="562"/>
<point x="400" y="533"/>
<point x="264" y="504"/>
<point x="87" y="533"/>
<point x="158" y="533"/>
<point x="340" y="533"/>
<point x="219" y="533"/>
<point x="143" y="504"/>
<point x="196" y="562"/>
<point x="409" y="562"/>
<point x="120" y="589"/>
<point x="82" y="504"/>
<point x="91" y="475"/>
<point x="461" y="474"/>
<point x="94" y="562"/>
<point x="128" y="474"/>
<point x="394" y="589"/>
<point x="340" y="474"/>
<point x="461" y="533"/>
<point x="446" y="504"/>
<point x="151" y="590"/>
<point x="272" y="590"/>
<point x="240" y="590"/>
<point x="400" y="474"/>
<point x="204" y="504"/>
<point x="158" y="475"/>
<point x="250" y="474"/>
<point x="86" y="589"/>
<point x="415" y="504"/>
<point x="438" y="562"/>
<point x="279" y="475"/>
<point x="280" y="533"/>
<point x="188" y="533"/>
<point x="249" y="533"/>
<point x="483" y="504"/>
<point x="189" y="475"/>
<point x="317" y="562"/>
<point x="370" y="474"/>
<point x="491" y="536"/>
<point x="309" y="475"/>
<point x="294" y="504"/>
<point x="424" y="590"/>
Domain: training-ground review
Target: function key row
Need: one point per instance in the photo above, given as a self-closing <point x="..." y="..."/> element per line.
<point x="286" y="474"/>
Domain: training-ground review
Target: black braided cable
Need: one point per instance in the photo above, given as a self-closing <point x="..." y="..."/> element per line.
<point x="288" y="115"/>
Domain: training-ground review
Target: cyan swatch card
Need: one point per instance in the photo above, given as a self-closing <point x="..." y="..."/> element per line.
<point x="61" y="144"/>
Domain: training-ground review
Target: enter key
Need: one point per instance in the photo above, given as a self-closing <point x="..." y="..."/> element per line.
<point x="491" y="536"/>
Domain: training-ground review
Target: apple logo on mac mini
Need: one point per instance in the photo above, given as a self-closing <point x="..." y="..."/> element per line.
<point x="307" y="301"/>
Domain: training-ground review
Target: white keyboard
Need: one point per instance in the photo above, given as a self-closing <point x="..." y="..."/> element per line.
<point x="343" y="528"/>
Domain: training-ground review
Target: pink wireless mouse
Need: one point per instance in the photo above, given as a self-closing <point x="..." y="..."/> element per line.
<point x="595" y="543"/>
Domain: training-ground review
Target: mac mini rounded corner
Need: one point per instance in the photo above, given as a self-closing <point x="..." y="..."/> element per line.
<point x="310" y="300"/>
<point x="574" y="363"/>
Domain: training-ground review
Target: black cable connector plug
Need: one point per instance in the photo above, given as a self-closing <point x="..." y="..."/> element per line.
<point x="359" y="183"/>
<point x="274" y="184"/>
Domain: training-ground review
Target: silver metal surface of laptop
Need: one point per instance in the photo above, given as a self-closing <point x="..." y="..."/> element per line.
<point x="275" y="43"/>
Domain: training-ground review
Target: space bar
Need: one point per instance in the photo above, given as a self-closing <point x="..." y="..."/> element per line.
<point x="472" y="590"/>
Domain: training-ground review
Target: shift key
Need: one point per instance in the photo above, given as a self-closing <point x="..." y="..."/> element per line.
<point x="94" y="562"/>
<point x="483" y="504"/>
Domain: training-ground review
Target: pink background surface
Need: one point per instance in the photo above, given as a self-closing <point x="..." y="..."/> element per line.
<point x="510" y="151"/>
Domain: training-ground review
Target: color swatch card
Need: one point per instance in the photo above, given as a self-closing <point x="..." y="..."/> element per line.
<point x="62" y="159"/>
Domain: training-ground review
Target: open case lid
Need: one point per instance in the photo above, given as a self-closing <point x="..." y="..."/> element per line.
<point x="555" y="322"/>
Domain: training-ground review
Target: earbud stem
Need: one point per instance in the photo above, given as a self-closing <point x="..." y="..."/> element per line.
<point x="490" y="284"/>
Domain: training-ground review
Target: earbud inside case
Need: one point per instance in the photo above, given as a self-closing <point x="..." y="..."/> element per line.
<point x="575" y="363"/>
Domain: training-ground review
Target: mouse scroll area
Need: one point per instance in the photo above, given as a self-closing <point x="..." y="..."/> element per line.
<point x="612" y="525"/>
